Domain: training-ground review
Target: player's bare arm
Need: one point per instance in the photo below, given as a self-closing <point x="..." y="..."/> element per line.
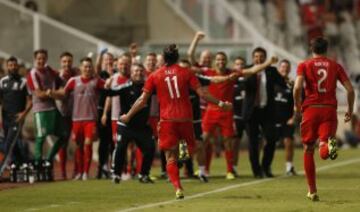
<point x="107" y="109"/>
<point x="56" y="94"/>
<point x="191" y="52"/>
<point x="20" y="117"/>
<point x="350" y="98"/>
<point x="245" y="72"/>
<point x="203" y="93"/>
<point x="139" y="104"/>
<point x="257" y="68"/>
<point x="299" y="81"/>
<point x="41" y="94"/>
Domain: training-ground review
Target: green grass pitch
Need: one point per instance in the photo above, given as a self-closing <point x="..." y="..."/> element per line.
<point x="338" y="188"/>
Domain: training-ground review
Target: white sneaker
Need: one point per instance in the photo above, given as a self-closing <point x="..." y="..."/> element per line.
<point x="85" y="176"/>
<point x="125" y="177"/>
<point x="77" y="176"/>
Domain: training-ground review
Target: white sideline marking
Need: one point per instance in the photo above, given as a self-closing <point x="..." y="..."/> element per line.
<point x="151" y="205"/>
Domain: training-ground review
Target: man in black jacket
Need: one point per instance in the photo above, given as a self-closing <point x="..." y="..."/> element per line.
<point x="258" y="112"/>
<point x="137" y="129"/>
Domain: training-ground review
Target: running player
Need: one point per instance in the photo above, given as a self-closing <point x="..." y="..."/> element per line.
<point x="85" y="89"/>
<point x="172" y="84"/>
<point x="320" y="74"/>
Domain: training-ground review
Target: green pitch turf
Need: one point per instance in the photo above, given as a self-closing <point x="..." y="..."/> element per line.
<point x="338" y="185"/>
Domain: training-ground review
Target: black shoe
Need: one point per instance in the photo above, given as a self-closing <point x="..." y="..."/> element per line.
<point x="145" y="179"/>
<point x="203" y="178"/>
<point x="291" y="172"/>
<point x="116" y="179"/>
<point x="268" y="174"/>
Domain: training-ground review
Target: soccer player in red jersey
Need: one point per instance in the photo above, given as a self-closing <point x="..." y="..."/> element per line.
<point x="85" y="89"/>
<point x="215" y="117"/>
<point x="319" y="118"/>
<point x="172" y="84"/>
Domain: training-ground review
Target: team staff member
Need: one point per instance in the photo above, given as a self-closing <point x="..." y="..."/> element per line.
<point x="284" y="110"/>
<point x="137" y="128"/>
<point x="16" y="104"/>
<point x="104" y="69"/>
<point x="65" y="106"/>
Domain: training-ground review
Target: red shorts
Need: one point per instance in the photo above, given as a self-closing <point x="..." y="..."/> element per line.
<point x="153" y="122"/>
<point x="82" y="130"/>
<point x="114" y="130"/>
<point x="216" y="118"/>
<point x="171" y="132"/>
<point x="318" y="123"/>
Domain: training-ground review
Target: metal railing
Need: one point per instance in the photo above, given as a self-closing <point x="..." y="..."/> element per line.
<point x="23" y="31"/>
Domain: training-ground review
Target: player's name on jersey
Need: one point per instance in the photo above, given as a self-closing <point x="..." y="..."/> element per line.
<point x="321" y="63"/>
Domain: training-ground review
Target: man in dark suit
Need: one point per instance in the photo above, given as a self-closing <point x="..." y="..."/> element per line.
<point x="258" y="112"/>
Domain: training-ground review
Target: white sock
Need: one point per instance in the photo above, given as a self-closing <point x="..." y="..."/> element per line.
<point x="289" y="165"/>
<point x="201" y="170"/>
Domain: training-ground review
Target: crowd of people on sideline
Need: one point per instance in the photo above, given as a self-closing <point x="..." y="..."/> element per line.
<point x="138" y="109"/>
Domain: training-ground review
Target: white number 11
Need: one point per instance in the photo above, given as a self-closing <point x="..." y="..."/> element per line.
<point x="169" y="84"/>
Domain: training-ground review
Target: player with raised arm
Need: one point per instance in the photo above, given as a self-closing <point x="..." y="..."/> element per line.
<point x="215" y="117"/>
<point x="318" y="108"/>
<point x="172" y="84"/>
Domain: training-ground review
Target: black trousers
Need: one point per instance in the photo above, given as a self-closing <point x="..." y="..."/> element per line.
<point x="105" y="139"/>
<point x="261" y="122"/>
<point x="144" y="141"/>
<point x="13" y="142"/>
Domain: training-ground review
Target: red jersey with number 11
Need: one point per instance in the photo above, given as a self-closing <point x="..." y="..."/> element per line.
<point x="320" y="76"/>
<point x="172" y="85"/>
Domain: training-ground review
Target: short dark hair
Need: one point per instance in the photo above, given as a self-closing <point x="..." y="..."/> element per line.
<point x="86" y="59"/>
<point x="319" y="45"/>
<point x="41" y="51"/>
<point x="66" y="54"/>
<point x="221" y="53"/>
<point x="171" y="54"/>
<point x="138" y="65"/>
<point x="240" y="58"/>
<point x="259" y="49"/>
<point x="153" y="54"/>
<point x="125" y="54"/>
<point x="285" y="61"/>
<point x="12" y="59"/>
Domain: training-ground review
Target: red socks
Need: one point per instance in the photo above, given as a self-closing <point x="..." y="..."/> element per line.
<point x="323" y="150"/>
<point x="229" y="156"/>
<point x="208" y="153"/>
<point x="87" y="157"/>
<point x="309" y="167"/>
<point x="79" y="154"/>
<point x="173" y="173"/>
